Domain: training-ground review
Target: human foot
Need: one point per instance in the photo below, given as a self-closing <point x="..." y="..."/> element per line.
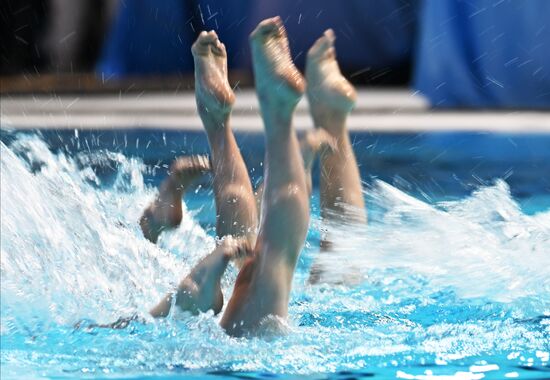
<point x="235" y="248"/>
<point x="329" y="94"/>
<point x="276" y="77"/>
<point x="201" y="289"/>
<point x="185" y="170"/>
<point x="165" y="212"/>
<point x="214" y="95"/>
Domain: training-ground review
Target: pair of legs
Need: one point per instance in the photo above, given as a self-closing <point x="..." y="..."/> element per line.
<point x="263" y="284"/>
<point x="236" y="214"/>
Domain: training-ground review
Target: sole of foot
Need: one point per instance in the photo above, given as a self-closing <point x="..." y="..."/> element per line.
<point x="329" y="93"/>
<point x="213" y="92"/>
<point x="275" y="75"/>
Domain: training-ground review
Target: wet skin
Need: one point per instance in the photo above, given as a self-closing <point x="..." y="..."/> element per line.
<point x="263" y="285"/>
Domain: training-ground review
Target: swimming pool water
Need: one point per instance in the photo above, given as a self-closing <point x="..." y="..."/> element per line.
<point x="449" y="279"/>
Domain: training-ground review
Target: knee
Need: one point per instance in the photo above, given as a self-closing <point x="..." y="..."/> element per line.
<point x="293" y="196"/>
<point x="289" y="203"/>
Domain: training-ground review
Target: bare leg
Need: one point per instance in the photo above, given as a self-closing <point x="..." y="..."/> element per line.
<point x="200" y="291"/>
<point x="236" y="213"/>
<point x="235" y="205"/>
<point x="331" y="98"/>
<point x="311" y="144"/>
<point x="165" y="212"/>
<point x="263" y="285"/>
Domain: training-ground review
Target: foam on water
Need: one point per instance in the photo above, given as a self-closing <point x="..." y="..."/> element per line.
<point x="73" y="250"/>
<point x="481" y="247"/>
<point x="453" y="284"/>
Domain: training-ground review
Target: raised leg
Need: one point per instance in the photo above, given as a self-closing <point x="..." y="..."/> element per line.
<point x="263" y="285"/>
<point x="311" y="144"/>
<point x="331" y="98"/>
<point x="165" y="212"/>
<point x="201" y="291"/>
<point x="236" y="213"/>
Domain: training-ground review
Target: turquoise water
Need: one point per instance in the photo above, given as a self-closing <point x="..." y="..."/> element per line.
<point x="449" y="280"/>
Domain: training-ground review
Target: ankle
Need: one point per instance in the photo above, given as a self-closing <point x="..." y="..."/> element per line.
<point x="331" y="120"/>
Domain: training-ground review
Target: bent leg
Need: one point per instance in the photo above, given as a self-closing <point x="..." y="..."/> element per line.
<point x="235" y="205"/>
<point x="236" y="213"/>
<point x="200" y="291"/>
<point x="165" y="212"/>
<point x="263" y="285"/>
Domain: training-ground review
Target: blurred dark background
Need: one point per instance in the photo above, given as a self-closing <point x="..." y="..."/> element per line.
<point x="488" y="53"/>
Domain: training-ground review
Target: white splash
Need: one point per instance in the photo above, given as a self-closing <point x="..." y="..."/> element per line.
<point x="70" y="250"/>
<point x="482" y="246"/>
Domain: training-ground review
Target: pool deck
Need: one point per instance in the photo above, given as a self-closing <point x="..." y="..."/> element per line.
<point x="376" y="111"/>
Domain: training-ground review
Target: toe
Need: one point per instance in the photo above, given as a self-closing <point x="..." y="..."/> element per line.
<point x="219" y="49"/>
<point x="242" y="249"/>
<point x="323" y="47"/>
<point x="191" y="165"/>
<point x="329" y="34"/>
<point x="268" y="27"/>
<point x="205" y="42"/>
<point x="209" y="38"/>
<point x="204" y="163"/>
<point x="200" y="164"/>
<point x="197" y="47"/>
